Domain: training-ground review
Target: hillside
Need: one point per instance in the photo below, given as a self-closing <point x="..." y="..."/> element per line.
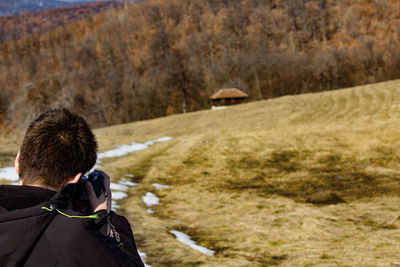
<point x="14" y="27"/>
<point x="240" y="177"/>
<point x="165" y="57"/>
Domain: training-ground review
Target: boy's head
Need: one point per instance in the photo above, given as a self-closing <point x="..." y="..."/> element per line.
<point x="58" y="145"/>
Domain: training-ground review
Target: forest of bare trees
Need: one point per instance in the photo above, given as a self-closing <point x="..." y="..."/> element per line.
<point x="164" y="57"/>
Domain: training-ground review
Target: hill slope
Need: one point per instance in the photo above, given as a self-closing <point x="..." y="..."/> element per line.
<point x="240" y="178"/>
<point x="165" y="57"/>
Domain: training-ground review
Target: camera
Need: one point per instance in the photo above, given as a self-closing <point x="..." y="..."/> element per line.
<point x="97" y="182"/>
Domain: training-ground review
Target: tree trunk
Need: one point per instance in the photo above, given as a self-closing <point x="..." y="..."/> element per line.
<point x="184" y="94"/>
<point x="257" y="81"/>
<point x="323" y="19"/>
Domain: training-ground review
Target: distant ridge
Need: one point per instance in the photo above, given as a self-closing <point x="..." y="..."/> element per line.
<point x="9" y="7"/>
<point x="24" y="24"/>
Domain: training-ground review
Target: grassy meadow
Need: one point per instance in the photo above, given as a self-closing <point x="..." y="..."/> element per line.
<point x="242" y="180"/>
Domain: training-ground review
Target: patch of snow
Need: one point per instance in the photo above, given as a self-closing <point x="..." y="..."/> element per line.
<point x="163" y="139"/>
<point x="119" y="190"/>
<point x="118" y="187"/>
<point x="150" y="143"/>
<point x="117" y="195"/>
<point x="114" y="205"/>
<point x="129" y="175"/>
<point x="123" y="150"/>
<point x="143" y="256"/>
<point x="150" y="199"/>
<point x="126" y="182"/>
<point x="160" y="186"/>
<point x="185" y="239"/>
<point x="149" y="210"/>
<point x="96" y="167"/>
<point x="9" y="174"/>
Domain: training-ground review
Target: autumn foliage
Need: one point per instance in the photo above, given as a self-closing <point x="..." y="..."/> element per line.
<point x="164" y="57"/>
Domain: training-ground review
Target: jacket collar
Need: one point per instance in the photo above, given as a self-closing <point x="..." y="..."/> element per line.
<point x="16" y="197"/>
<point x="13" y="197"/>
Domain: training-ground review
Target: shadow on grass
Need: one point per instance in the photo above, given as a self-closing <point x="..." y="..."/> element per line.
<point x="222" y="247"/>
<point x="299" y="173"/>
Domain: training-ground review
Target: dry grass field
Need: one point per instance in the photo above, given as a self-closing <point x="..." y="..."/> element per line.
<point x="256" y="182"/>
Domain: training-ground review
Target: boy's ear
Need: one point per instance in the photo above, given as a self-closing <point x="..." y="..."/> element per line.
<point x="16" y="165"/>
<point x="76" y="178"/>
<point x="72" y="180"/>
<point x="16" y="162"/>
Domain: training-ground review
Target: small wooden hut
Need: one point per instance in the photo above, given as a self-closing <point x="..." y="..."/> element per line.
<point x="228" y="96"/>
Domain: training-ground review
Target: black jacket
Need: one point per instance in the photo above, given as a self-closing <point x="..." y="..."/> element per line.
<point x="33" y="235"/>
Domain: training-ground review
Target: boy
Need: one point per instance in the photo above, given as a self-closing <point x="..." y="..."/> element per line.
<point x="44" y="221"/>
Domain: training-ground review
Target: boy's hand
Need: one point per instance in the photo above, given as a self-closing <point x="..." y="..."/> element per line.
<point x="99" y="203"/>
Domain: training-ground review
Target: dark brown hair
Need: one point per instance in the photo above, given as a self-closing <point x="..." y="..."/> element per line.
<point x="57" y="146"/>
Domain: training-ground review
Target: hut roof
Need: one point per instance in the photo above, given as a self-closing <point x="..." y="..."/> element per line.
<point x="229" y="93"/>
